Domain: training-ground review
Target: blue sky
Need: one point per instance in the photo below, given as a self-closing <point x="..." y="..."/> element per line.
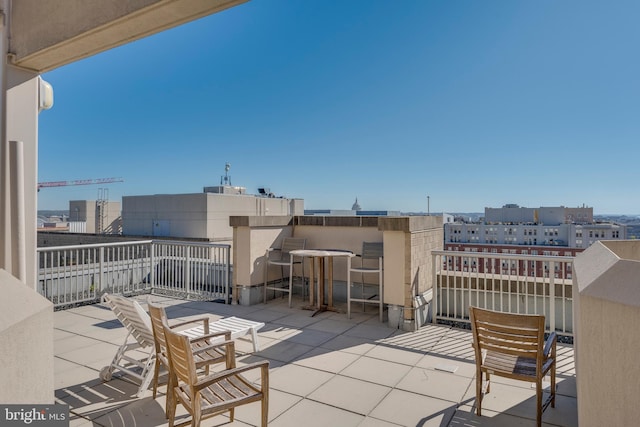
<point x="472" y="103"/>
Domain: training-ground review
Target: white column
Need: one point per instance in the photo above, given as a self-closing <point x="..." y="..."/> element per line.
<point x="22" y="101"/>
<point x="6" y="238"/>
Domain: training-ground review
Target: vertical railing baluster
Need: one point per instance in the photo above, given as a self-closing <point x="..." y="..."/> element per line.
<point x="152" y="265"/>
<point x="187" y="270"/>
<point x="552" y="296"/>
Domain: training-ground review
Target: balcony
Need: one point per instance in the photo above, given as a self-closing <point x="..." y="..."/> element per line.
<point x="338" y="371"/>
<point x="324" y="370"/>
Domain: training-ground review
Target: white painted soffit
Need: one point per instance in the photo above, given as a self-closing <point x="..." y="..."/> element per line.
<point x="47" y="34"/>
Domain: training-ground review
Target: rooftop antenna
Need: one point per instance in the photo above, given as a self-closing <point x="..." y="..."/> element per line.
<point x="226" y="178"/>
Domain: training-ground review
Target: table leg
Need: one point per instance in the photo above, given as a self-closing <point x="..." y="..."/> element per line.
<point x="312" y="273"/>
<point x="319" y="269"/>
<point x="330" y="285"/>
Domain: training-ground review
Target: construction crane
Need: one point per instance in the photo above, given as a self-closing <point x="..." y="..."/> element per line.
<point x="78" y="182"/>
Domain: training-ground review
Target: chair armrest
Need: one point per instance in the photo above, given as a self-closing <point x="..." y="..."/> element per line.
<point x="227" y="343"/>
<point x="214" y="378"/>
<point x="550" y="344"/>
<point x="226" y="334"/>
<point x="204" y="320"/>
<point x="353" y="257"/>
<point x="269" y="251"/>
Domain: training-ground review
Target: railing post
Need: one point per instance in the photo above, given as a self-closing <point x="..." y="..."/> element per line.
<point x="552" y="296"/>
<point x="434" y="288"/>
<point x="101" y="265"/>
<point x="187" y="270"/>
<point x="152" y="268"/>
<point x="228" y="274"/>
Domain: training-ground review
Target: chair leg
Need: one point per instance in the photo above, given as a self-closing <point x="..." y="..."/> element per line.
<point x="364" y="306"/>
<point x="381" y="303"/>
<point x="196" y="407"/>
<point x="156" y="373"/>
<point x="170" y="401"/>
<point x="349" y="288"/>
<point x="290" y="282"/>
<point x="539" y="402"/>
<point x="265" y="412"/>
<point x="553" y="385"/>
<point x="254" y="339"/>
<point x="479" y="392"/>
<point x="147" y="372"/>
<point x="266" y="280"/>
<point x="171" y="407"/>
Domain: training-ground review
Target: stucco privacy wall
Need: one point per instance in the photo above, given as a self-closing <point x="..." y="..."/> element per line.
<point x="336" y="232"/>
<point x="26" y="344"/>
<point x="251" y="238"/>
<point x="607" y="339"/>
<point x="408" y="263"/>
<point x="408" y="242"/>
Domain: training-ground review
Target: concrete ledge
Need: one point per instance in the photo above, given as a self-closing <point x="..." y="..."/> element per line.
<point x="337" y="221"/>
<point x="260" y="221"/>
<point x="409" y="224"/>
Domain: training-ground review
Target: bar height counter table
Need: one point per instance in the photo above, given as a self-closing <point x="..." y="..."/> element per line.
<point x="321" y="256"/>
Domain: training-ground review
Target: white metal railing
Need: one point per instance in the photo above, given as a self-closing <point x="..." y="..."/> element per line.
<point x="525" y="284"/>
<point x="195" y="270"/>
<point x="82" y="273"/>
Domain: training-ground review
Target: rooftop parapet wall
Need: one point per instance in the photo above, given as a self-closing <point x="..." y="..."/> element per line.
<point x="607" y="312"/>
<point x="260" y="221"/>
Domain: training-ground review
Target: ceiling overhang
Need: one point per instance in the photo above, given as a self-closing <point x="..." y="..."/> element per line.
<point x="49" y="34"/>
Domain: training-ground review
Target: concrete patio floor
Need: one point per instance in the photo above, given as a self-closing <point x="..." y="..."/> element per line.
<point x="325" y="370"/>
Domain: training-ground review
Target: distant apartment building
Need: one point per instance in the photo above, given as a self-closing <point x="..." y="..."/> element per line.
<point x="200" y="215"/>
<point x="514" y="230"/>
<point x="558" y="227"/>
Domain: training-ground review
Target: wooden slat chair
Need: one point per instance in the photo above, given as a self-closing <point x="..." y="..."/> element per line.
<point x="371" y="262"/>
<point x="281" y="257"/>
<point x="199" y="337"/>
<point x="210" y="395"/>
<point x="513" y="346"/>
